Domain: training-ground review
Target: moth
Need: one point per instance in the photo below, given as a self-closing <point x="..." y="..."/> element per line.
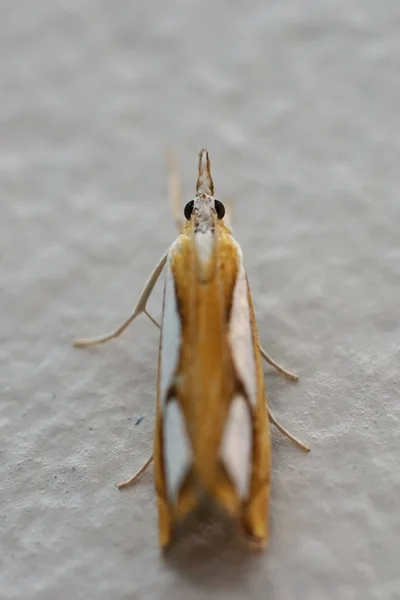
<point x="212" y="438"/>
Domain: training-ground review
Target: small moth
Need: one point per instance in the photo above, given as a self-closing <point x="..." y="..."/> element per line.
<point x="212" y="436"/>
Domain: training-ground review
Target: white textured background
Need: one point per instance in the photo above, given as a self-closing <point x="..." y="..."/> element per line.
<point x="298" y="102"/>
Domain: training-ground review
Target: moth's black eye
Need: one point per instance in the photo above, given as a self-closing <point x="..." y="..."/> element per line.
<point x="220" y="209"/>
<point x="188" y="209"/>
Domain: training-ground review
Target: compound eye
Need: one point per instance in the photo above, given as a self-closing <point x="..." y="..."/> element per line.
<point x="188" y="210"/>
<point x="220" y="209"/>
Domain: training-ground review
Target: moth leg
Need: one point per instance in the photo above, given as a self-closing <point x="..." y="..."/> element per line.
<point x="174" y="187"/>
<point x="287" y="433"/>
<point x="139" y="308"/>
<point x="278" y="367"/>
<point x="152" y="319"/>
<point x="135" y="477"/>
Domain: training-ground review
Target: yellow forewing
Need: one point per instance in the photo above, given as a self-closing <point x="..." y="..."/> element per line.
<point x="210" y="378"/>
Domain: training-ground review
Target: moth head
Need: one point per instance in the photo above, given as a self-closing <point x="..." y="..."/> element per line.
<point x="204" y="208"/>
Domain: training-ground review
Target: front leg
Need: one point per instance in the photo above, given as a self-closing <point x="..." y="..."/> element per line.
<point x="139" y="309"/>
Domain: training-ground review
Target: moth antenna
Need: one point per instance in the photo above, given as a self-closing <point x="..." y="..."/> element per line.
<point x="205" y="184"/>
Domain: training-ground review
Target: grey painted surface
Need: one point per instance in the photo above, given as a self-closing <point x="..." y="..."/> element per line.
<point x="298" y="103"/>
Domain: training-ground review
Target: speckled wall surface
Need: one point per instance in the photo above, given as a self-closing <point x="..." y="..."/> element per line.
<point x="298" y="102"/>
